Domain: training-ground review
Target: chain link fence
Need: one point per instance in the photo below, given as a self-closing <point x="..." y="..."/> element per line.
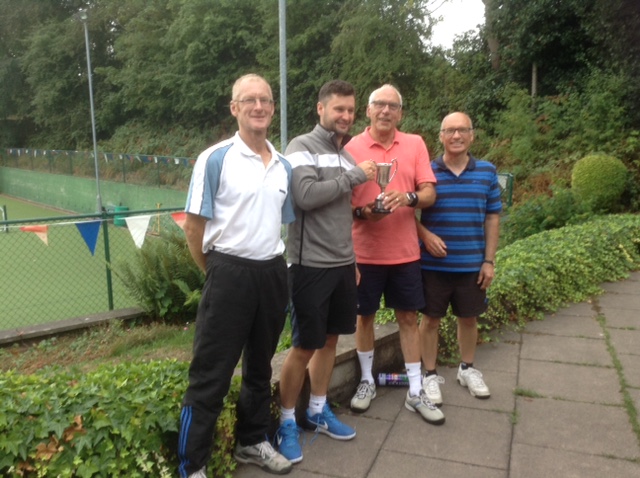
<point x="59" y="268"/>
<point x="144" y="169"/>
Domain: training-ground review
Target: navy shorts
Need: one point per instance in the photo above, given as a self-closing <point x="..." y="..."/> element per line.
<point x="460" y="289"/>
<point x="401" y="285"/>
<point x="324" y="303"/>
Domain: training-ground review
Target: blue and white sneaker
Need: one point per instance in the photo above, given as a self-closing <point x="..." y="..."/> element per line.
<point x="327" y="423"/>
<point x="288" y="441"/>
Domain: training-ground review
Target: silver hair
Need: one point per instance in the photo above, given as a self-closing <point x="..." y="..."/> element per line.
<point x="373" y="94"/>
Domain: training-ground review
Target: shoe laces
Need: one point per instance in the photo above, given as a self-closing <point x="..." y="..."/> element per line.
<point x="425" y="401"/>
<point x="432" y="382"/>
<point x="288" y="432"/>
<point x="363" y="390"/>
<point x="266" y="450"/>
<point x="475" y="377"/>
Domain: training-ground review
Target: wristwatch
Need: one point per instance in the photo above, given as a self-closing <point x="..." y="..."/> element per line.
<point x="357" y="213"/>
<point x="412" y="198"/>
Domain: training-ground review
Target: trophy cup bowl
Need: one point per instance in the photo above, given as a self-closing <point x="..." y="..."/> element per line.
<point x="383" y="178"/>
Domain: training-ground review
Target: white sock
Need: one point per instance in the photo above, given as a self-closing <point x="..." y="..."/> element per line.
<point x="287" y="414"/>
<point x="316" y="403"/>
<point x="366" y="365"/>
<point x="414" y="374"/>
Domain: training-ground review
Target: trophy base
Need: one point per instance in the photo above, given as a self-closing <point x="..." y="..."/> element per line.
<point x="378" y="210"/>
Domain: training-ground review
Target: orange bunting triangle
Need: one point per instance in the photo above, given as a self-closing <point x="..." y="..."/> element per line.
<point x="40" y="231"/>
<point x="179" y="218"/>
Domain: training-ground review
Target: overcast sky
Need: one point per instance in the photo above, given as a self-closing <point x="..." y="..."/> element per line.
<point x="459" y="16"/>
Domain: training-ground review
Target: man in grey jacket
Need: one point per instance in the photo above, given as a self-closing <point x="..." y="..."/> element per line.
<point x="323" y="271"/>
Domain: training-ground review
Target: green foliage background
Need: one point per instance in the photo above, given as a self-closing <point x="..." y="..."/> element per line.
<point x="163" y="71"/>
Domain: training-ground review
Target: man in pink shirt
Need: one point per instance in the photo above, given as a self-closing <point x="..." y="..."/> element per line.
<point x="386" y="244"/>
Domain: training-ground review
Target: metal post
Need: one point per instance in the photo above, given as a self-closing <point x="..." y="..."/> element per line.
<point x="282" y="8"/>
<point x="84" y="17"/>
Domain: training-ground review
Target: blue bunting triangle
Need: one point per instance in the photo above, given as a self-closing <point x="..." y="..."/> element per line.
<point x="89" y="231"/>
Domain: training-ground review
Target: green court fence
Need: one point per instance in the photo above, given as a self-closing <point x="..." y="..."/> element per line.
<point x="48" y="272"/>
<point x="149" y="170"/>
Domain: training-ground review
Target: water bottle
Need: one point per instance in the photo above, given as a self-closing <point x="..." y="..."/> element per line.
<point x="393" y="379"/>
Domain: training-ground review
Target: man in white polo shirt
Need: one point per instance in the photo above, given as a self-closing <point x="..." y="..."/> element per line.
<point x="238" y="199"/>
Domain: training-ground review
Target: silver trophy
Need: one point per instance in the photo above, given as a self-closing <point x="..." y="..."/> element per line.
<point x="383" y="178"/>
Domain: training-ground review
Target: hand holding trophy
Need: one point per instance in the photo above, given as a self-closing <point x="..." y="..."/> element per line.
<point x="383" y="178"/>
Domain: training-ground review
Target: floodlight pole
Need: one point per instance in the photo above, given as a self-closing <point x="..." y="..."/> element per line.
<point x="282" y="10"/>
<point x="83" y="18"/>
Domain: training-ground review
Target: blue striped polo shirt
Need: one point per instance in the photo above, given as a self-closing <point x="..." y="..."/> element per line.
<point x="458" y="215"/>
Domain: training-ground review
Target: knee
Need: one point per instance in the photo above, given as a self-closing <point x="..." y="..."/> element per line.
<point x="468" y="323"/>
<point x="430" y="324"/>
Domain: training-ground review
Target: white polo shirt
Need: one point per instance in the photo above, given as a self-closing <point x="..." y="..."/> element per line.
<point x="245" y="203"/>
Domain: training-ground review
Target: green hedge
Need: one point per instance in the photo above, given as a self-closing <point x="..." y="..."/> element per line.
<point x="122" y="420"/>
<point x="119" y="420"/>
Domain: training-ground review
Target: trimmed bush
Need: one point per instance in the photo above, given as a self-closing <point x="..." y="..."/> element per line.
<point x="600" y="180"/>
<point x="115" y="421"/>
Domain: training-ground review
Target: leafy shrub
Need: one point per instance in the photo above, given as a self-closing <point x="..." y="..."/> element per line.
<point x="599" y="180"/>
<point x="119" y="420"/>
<point x="547" y="270"/>
<point x="543" y="213"/>
<point x="163" y="278"/>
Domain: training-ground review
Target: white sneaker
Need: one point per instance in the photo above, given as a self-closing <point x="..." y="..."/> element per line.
<point x="364" y="394"/>
<point x="472" y="379"/>
<point x="431" y="386"/>
<point x="421" y="404"/>
<point x="264" y="456"/>
<point x="201" y="473"/>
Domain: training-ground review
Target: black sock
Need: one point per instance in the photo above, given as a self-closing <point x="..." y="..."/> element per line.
<point x="465" y="365"/>
<point x="430" y="372"/>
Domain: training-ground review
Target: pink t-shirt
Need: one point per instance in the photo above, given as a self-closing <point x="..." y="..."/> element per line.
<point x="394" y="239"/>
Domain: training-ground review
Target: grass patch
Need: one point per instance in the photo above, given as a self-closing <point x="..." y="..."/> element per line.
<point x="113" y="343"/>
<point x="523" y="392"/>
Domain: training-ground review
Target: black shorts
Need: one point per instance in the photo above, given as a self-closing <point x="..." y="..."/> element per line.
<point x="324" y="303"/>
<point x="460" y="289"/>
<point x="400" y="283"/>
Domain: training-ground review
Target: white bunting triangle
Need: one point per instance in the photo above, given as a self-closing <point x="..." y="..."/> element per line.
<point x="138" y="228"/>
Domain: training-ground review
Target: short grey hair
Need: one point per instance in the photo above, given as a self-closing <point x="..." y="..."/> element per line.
<point x="373" y="94"/>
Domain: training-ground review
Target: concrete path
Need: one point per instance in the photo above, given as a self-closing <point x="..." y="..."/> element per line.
<point x="565" y="397"/>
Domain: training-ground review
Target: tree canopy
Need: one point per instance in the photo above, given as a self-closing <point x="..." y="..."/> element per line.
<point x="163" y="70"/>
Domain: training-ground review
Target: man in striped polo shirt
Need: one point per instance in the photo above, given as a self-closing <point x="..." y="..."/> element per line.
<point x="460" y="237"/>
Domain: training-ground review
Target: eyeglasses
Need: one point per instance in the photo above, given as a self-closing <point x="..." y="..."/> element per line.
<point x="452" y="131"/>
<point x="380" y="105"/>
<point x="254" y="101"/>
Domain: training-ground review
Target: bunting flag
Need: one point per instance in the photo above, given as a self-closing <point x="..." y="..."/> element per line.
<point x="138" y="228"/>
<point x="40" y="231"/>
<point x="89" y="231"/>
<point x="179" y="218"/>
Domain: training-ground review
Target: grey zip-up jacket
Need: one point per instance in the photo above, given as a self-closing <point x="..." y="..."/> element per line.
<point x="323" y="175"/>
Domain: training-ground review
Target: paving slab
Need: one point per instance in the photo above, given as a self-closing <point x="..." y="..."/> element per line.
<point x="567" y="325"/>
<point x="565" y="349"/>
<point x="582" y="309"/>
<point x="571" y="382"/>
<point x="544" y="462"/>
<point x="625" y="341"/>
<point x="623" y="287"/>
<point x="401" y="465"/>
<point x="469" y="436"/>
<point x="629" y="301"/>
<point x="621" y="318"/>
<point x="578" y="427"/>
<point x="497" y="357"/>
<point x="631" y="369"/>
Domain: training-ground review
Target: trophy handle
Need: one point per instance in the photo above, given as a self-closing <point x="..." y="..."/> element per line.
<point x="395" y="170"/>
